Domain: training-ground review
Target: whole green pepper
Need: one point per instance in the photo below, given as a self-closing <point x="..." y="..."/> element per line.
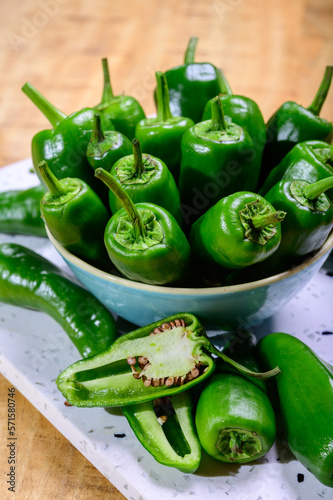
<point x="20" y="211"/>
<point x="234" y="418"/>
<point x="64" y="147"/>
<point x="165" y="428"/>
<point x="309" y="161"/>
<point x="218" y="158"/>
<point x="123" y="111"/>
<point x="143" y="240"/>
<point x="240" y="230"/>
<point x="161" y="136"/>
<point x="161" y="359"/>
<point x="75" y="216"/>
<point x="244" y="112"/>
<point x="145" y="178"/>
<point x="31" y="281"/>
<point x="293" y="123"/>
<point x="305" y="396"/>
<point x="192" y="84"/>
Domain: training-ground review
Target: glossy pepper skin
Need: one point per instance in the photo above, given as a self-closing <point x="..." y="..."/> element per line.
<point x="217" y="158"/>
<point x="20" y="211"/>
<point x="244" y="112"/>
<point x="165" y="428"/>
<point x="124" y="112"/>
<point x="192" y="84"/>
<point x="240" y="230"/>
<point x="161" y="136"/>
<point x="292" y="123"/>
<point x="235" y="420"/>
<point x="75" y="216"/>
<point x="144" y="241"/>
<point x="29" y="280"/>
<point x="310" y="161"/>
<point x="305" y="397"/>
<point x="145" y="178"/>
<point x="63" y="147"/>
<point x="161" y="359"/>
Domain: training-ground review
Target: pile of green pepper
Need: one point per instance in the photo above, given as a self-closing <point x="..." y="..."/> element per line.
<point x="205" y="189"/>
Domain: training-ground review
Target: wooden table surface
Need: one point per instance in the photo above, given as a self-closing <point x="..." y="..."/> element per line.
<point x="270" y="50"/>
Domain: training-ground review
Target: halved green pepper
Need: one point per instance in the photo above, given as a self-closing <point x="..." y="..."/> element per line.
<point x="165" y="427"/>
<point x="162" y="359"/>
<point x="31" y="281"/>
<point x="234" y="418"/>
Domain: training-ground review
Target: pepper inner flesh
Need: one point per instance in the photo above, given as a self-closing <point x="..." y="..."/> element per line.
<point x="172" y="430"/>
<point x="238" y="444"/>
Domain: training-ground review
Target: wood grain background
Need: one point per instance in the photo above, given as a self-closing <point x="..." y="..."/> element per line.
<point x="270" y="50"/>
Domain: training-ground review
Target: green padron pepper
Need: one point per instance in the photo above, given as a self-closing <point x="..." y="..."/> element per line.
<point x="292" y="123"/>
<point x="20" y="211"/>
<point x="161" y="136"/>
<point x="65" y="146"/>
<point x="218" y="157"/>
<point x="145" y="178"/>
<point x="123" y="111"/>
<point x="29" y="280"/>
<point x="310" y="161"/>
<point x="234" y="418"/>
<point x="75" y="216"/>
<point x="192" y="84"/>
<point x="165" y="427"/>
<point x="143" y="240"/>
<point x="161" y="359"/>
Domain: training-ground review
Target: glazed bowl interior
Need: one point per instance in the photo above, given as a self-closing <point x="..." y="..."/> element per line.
<point x="223" y="308"/>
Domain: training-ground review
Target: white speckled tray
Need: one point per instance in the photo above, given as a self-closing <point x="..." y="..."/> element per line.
<point x="34" y="350"/>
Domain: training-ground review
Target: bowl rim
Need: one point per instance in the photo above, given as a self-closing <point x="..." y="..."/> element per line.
<point x="218" y="290"/>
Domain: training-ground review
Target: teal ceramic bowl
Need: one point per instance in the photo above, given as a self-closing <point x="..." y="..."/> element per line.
<point x="223" y="308"/>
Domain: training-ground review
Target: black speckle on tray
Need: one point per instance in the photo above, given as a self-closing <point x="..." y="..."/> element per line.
<point x="300" y="478"/>
<point x="327" y="333"/>
<point x="120" y="435"/>
<point x="329" y="273"/>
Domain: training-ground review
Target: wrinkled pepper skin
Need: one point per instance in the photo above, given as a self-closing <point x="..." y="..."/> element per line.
<point x="30" y="281"/>
<point x="170" y="438"/>
<point x="308" y="161"/>
<point x="173" y="351"/>
<point x="305" y="397"/>
<point x="244" y="112"/>
<point x="20" y="212"/>
<point x="217" y="158"/>
<point x="292" y="124"/>
<point x="192" y="84"/>
<point x="122" y="111"/>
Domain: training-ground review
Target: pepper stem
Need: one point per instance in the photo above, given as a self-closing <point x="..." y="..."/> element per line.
<point x="53" y="114"/>
<point x="137" y="153"/>
<point x="190" y="51"/>
<point x="126" y="201"/>
<point x="223" y="83"/>
<point x="163" y="100"/>
<point x="259" y="222"/>
<point x="217" y="121"/>
<point x="53" y="184"/>
<point x="313" y="191"/>
<point x="97" y="135"/>
<point x="242" y="369"/>
<point x="107" y="95"/>
<point x="317" y="103"/>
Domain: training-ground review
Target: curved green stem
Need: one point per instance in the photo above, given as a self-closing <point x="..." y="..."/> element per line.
<point x="190" y="51"/>
<point x="312" y="191"/>
<point x="223" y="83"/>
<point x="259" y="222"/>
<point x="53" y="114"/>
<point x="107" y="95"/>
<point x="317" y="103"/>
<point x="126" y="201"/>
<point x="97" y="135"/>
<point x="242" y="369"/>
<point x="218" y="121"/>
<point x="137" y="153"/>
<point x="163" y="101"/>
<point x="53" y="184"/>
